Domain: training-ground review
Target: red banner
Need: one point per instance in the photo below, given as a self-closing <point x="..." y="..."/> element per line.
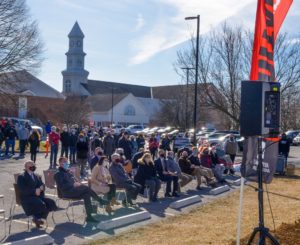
<point x="269" y="18"/>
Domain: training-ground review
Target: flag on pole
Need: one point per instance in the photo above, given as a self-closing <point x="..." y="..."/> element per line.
<point x="269" y="18"/>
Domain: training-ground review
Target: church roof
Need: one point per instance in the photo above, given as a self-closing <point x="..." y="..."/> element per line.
<point x="102" y="87"/>
<point x="76" y="31"/>
<point x="103" y="102"/>
<point x="22" y="82"/>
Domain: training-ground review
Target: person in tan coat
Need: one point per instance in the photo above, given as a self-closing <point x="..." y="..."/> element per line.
<point x="101" y="182"/>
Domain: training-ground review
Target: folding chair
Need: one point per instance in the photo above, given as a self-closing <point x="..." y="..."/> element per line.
<point x="2" y="213"/>
<point x="16" y="202"/>
<point x="70" y="204"/>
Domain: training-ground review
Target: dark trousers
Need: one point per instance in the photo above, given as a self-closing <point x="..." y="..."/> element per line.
<point x="153" y="153"/>
<point x="22" y="145"/>
<point x="64" y="151"/>
<point x="154" y="187"/>
<point x="112" y="192"/>
<point x="85" y="193"/>
<point x="9" y="143"/>
<point x="53" y="155"/>
<point x="33" y="156"/>
<point x="40" y="207"/>
<point x="72" y="154"/>
<point x="232" y="157"/>
<point x="132" y="189"/>
<point x="169" y="179"/>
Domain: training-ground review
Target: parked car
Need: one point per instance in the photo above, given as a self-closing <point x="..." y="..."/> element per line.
<point x="133" y="129"/>
<point x="180" y="141"/>
<point x="296" y="140"/>
<point x="291" y="134"/>
<point x="117" y="128"/>
<point x="216" y="138"/>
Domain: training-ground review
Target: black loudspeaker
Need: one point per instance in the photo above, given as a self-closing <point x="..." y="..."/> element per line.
<point x="260" y="108"/>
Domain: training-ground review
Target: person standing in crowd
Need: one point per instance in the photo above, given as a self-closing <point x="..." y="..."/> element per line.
<point x="166" y="175"/>
<point x="72" y="146"/>
<point x="2" y="138"/>
<point x="96" y="142"/>
<point x="124" y="143"/>
<point x="153" y="145"/>
<point x="34" y="142"/>
<point x="82" y="149"/>
<point x="174" y="167"/>
<point x="147" y="176"/>
<point x="108" y="144"/>
<point x="98" y="153"/>
<point x="23" y="134"/>
<point x="65" y="142"/>
<point x="48" y="127"/>
<point x="284" y="146"/>
<point x="122" y="180"/>
<point x="101" y="182"/>
<point x="140" y="140"/>
<point x="188" y="168"/>
<point x="231" y="147"/>
<point x="117" y="137"/>
<point x="165" y="143"/>
<point x="54" y="141"/>
<point x="133" y="145"/>
<point x="32" y="194"/>
<point x="70" y="188"/>
<point x="11" y="135"/>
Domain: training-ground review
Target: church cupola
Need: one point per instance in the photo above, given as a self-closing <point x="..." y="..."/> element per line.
<point x="75" y="75"/>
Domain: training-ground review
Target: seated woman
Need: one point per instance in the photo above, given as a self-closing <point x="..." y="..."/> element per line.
<point x="101" y="182"/>
<point x="147" y="176"/>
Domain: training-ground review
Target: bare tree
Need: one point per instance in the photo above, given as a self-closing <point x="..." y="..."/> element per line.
<point x="75" y="110"/>
<point x="20" y="45"/>
<point x="225" y="60"/>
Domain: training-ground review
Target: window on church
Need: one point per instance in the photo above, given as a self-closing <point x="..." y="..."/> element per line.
<point x="129" y="111"/>
<point x="68" y="86"/>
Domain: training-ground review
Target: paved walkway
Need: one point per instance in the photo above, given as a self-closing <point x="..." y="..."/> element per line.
<point x="65" y="232"/>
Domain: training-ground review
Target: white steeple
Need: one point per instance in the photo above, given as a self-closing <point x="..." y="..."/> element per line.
<point x="75" y="74"/>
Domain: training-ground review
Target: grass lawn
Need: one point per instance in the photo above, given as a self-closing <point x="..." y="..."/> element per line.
<point x="215" y="222"/>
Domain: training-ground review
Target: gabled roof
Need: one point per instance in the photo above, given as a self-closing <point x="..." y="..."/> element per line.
<point x="21" y="81"/>
<point x="103" y="102"/>
<point x="76" y="31"/>
<point x="102" y="87"/>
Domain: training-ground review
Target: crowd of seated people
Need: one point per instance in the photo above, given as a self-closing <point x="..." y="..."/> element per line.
<point x="135" y="172"/>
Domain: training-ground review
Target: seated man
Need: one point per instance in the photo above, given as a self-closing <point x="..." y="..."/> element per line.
<point x="198" y="171"/>
<point x="173" y="167"/>
<point x="32" y="194"/>
<point x="122" y="180"/>
<point x="166" y="175"/>
<point x="72" y="189"/>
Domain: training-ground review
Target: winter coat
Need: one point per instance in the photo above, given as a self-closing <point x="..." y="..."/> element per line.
<point x="82" y="149"/>
<point x="65" y="139"/>
<point x="100" y="179"/>
<point x="145" y="172"/>
<point x="108" y="145"/>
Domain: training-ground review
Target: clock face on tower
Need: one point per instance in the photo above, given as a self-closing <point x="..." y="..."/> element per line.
<point x="78" y="43"/>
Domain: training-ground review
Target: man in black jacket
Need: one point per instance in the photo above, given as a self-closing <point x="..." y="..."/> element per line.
<point x="82" y="149"/>
<point x="165" y="175"/>
<point x="72" y="145"/>
<point x="124" y="143"/>
<point x="70" y="188"/>
<point x="11" y="135"/>
<point x="65" y="142"/>
<point x="32" y="193"/>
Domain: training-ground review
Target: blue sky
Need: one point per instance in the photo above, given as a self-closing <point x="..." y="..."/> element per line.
<point x="131" y="41"/>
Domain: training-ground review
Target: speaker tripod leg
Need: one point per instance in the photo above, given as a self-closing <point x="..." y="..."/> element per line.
<point x="273" y="239"/>
<point x="251" y="239"/>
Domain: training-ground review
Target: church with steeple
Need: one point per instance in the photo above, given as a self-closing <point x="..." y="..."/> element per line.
<point x="113" y="102"/>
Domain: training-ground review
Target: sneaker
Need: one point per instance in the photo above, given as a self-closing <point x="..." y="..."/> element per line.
<point x="232" y="172"/>
<point x="91" y="219"/>
<point x="226" y="171"/>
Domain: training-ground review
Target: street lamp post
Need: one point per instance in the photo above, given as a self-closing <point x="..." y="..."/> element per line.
<point x="187" y="69"/>
<point x="196" y="73"/>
